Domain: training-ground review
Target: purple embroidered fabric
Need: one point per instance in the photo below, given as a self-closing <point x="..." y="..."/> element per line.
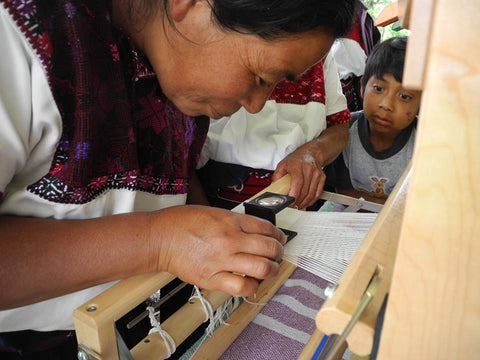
<point x="119" y="130"/>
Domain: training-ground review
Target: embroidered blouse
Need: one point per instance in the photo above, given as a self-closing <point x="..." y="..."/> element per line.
<point x="86" y="130"/>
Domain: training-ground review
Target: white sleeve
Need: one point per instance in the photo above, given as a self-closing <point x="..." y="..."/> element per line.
<point x="349" y="57"/>
<point x="335" y="101"/>
<point x="15" y="101"/>
<point x="30" y="123"/>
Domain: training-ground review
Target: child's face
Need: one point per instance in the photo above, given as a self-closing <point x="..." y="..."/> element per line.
<point x="389" y="107"/>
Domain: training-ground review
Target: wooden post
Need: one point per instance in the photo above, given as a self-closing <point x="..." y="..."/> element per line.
<point x="433" y="310"/>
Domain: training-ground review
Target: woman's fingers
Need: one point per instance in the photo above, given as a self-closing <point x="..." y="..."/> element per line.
<point x="307" y="184"/>
<point x="260" y="245"/>
<point x="257" y="267"/>
<point x="234" y="284"/>
<point x="252" y="225"/>
<point x="243" y="281"/>
<point x="207" y="242"/>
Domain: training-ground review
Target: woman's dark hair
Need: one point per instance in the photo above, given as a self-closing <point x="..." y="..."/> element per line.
<point x="387" y="57"/>
<point x="277" y="18"/>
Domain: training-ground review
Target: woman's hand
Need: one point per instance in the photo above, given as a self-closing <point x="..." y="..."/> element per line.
<point x="307" y="176"/>
<point x="211" y="247"/>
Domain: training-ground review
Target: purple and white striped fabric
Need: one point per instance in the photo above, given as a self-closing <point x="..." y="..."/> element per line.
<point x="283" y="327"/>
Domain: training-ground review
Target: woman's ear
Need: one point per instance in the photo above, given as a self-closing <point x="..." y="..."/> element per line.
<point x="180" y="8"/>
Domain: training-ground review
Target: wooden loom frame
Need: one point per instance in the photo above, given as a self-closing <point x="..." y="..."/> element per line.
<point x="426" y="250"/>
<point x="94" y="321"/>
<point x="433" y="310"/>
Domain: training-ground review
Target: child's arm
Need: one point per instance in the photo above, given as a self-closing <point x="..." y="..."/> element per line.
<point x="358" y="194"/>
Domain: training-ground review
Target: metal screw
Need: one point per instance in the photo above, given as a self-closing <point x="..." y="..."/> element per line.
<point x="82" y="355"/>
<point x="91" y="308"/>
<point x="329" y="290"/>
<point x="86" y="354"/>
<point x="360" y="202"/>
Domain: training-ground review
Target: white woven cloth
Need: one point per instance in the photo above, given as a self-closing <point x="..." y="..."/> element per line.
<point x="326" y="241"/>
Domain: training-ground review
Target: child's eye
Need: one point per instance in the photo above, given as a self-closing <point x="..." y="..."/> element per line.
<point x="377" y="88"/>
<point x="405" y="97"/>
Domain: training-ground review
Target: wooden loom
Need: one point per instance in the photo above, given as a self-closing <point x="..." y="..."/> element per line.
<point x="424" y="245"/>
<point x="94" y="321"/>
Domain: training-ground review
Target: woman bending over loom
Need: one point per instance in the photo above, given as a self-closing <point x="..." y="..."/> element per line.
<point x="102" y="117"/>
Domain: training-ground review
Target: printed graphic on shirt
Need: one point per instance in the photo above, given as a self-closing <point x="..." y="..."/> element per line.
<point x="376" y="187"/>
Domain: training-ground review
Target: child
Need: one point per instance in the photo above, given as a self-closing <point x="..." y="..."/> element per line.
<point x="382" y="136"/>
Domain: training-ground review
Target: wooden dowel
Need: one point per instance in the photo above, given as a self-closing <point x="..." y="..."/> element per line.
<point x="226" y="335"/>
<point x="179" y="326"/>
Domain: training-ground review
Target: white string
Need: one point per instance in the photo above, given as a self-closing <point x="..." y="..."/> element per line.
<point x="207" y="307"/>
<point x="252" y="302"/>
<point x="327" y="241"/>
<point x="218" y="318"/>
<point x="156" y="327"/>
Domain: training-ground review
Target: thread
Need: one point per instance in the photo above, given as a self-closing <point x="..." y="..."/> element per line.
<point x="156" y="327"/>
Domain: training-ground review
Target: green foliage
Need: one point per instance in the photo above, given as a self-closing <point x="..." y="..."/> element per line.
<point x="374" y="8"/>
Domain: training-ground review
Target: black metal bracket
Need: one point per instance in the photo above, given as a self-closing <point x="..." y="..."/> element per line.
<point x="267" y="205"/>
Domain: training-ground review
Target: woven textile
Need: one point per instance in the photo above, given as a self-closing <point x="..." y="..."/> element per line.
<point x="285" y="324"/>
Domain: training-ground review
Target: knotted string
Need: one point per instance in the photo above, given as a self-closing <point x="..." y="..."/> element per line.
<point x="156" y="327"/>
<point x="207" y="307"/>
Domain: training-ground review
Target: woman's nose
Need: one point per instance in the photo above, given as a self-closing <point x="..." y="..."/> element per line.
<point x="255" y="101"/>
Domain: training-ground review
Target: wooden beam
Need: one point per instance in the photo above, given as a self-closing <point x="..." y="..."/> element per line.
<point x="433" y="310"/>
<point x="388" y="15"/>
<point x="224" y="336"/>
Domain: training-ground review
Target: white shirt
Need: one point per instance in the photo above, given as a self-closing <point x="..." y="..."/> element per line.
<point x="262" y="140"/>
<point x="31" y="127"/>
<point x="349" y="57"/>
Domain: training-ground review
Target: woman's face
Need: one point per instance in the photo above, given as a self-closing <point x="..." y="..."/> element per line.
<point x="204" y="70"/>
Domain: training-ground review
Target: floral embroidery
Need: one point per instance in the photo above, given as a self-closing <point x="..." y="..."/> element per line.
<point x="339" y="118"/>
<point x="119" y="131"/>
<point x="309" y="87"/>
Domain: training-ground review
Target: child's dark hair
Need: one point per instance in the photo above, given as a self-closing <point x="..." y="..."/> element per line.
<point x="387" y="57"/>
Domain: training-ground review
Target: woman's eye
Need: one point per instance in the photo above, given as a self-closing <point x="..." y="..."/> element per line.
<point x="262" y="82"/>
